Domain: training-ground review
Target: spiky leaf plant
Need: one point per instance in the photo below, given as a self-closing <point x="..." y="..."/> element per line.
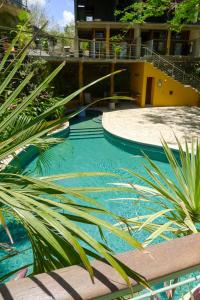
<point x="48" y="212"/>
<point x="177" y="198"/>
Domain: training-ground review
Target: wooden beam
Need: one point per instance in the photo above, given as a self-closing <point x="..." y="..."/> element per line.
<point x="121" y="25"/>
<point x="137" y="38"/>
<point x="76" y="43"/>
<point x="81" y="82"/>
<point x="112" y="80"/>
<point x="107" y="41"/>
<point x="168" y="42"/>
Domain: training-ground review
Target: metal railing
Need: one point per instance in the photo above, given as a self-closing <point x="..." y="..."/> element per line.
<point x="180" y="288"/>
<point x="50" y="47"/>
<point x="170" y="68"/>
<point x="88" y="49"/>
<point x="98" y="49"/>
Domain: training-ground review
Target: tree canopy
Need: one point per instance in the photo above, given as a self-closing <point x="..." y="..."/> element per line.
<point x="178" y="12"/>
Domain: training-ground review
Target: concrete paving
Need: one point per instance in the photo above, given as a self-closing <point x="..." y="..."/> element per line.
<point x="148" y="125"/>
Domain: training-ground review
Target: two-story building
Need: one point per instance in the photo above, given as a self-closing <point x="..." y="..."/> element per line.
<point x="96" y="21"/>
<point x="150" y="52"/>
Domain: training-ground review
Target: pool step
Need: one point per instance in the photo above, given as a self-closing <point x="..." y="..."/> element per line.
<point x="86" y="133"/>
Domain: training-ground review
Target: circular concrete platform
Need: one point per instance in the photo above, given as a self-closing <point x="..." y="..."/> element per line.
<point x="149" y="125"/>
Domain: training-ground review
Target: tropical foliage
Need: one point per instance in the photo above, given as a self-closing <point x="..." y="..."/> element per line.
<point x="43" y="101"/>
<point x="177" y="199"/>
<point x="178" y="12"/>
<point x="50" y="214"/>
<point x="40" y="70"/>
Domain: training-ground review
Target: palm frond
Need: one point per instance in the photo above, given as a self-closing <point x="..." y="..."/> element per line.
<point x="51" y="214"/>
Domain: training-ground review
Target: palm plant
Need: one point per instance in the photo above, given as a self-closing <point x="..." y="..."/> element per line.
<point x="50" y="214"/>
<point x="177" y="199"/>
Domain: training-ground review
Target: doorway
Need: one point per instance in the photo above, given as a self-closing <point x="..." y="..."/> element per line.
<point x="149" y="90"/>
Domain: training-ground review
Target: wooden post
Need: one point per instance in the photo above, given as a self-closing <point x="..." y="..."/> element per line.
<point x="112" y="80"/>
<point x="107" y="41"/>
<point x="81" y="98"/>
<point x="137" y="38"/>
<point x="94" y="43"/>
<point x="168" y="42"/>
<point x="76" y="44"/>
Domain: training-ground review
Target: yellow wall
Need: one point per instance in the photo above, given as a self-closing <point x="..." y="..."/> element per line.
<point x="169" y="93"/>
<point x="138" y="80"/>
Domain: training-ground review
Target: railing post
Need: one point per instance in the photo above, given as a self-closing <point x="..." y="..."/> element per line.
<point x="138" y="44"/>
<point x="76" y="44"/>
<point x="108" y="41"/>
<point x="94" y="48"/>
<point x="99" y="50"/>
<point x="158" y="60"/>
<point x="173" y="71"/>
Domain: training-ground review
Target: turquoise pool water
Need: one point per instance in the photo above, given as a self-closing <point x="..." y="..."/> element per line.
<point x="89" y="149"/>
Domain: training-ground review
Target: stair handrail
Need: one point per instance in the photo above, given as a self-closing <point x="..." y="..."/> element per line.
<point x="194" y="76"/>
<point x="169" y="63"/>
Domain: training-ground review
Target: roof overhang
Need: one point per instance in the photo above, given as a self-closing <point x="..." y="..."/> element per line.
<point x="121" y="25"/>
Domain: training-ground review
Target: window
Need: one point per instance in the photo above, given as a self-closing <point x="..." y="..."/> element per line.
<point x="89" y="18"/>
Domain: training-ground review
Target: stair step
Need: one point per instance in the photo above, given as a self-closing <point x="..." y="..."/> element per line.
<point x="178" y="74"/>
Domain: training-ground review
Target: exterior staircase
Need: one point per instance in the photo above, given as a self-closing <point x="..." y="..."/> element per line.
<point x="171" y="69"/>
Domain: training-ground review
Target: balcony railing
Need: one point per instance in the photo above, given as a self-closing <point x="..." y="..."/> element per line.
<point x="85" y="49"/>
<point x="65" y="48"/>
<point x="91" y="49"/>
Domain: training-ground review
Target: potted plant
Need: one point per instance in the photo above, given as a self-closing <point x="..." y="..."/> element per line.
<point x="85" y="48"/>
<point x="112" y="103"/>
<point x="117" y="51"/>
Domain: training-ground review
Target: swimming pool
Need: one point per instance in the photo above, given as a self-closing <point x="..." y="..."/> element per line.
<point x="88" y="148"/>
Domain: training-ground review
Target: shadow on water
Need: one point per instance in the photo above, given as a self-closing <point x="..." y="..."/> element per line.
<point x="21" y="161"/>
<point x="21" y="242"/>
<point x="17" y="231"/>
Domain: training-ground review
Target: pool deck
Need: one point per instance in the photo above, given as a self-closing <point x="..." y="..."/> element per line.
<point x="149" y="125"/>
